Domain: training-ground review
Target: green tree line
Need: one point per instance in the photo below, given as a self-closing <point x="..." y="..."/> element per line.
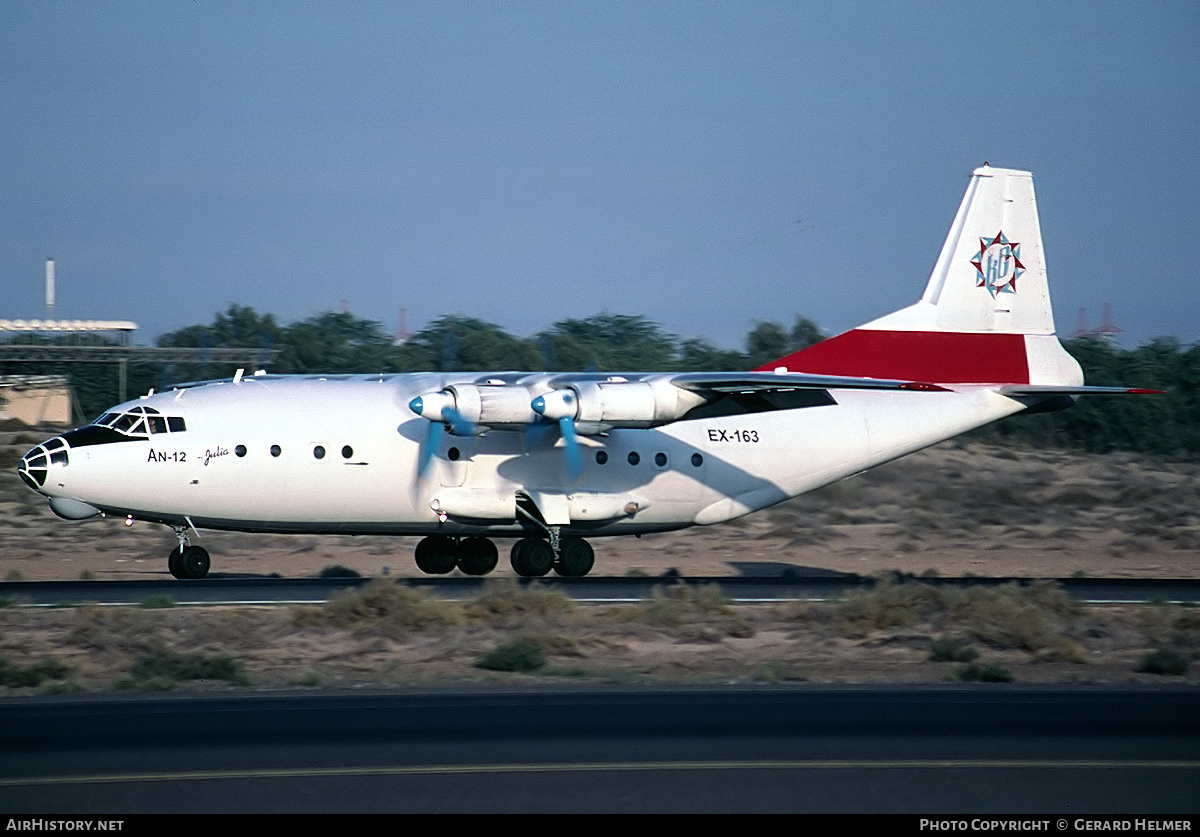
<point x="1167" y="425"/>
<point x="342" y="343"/>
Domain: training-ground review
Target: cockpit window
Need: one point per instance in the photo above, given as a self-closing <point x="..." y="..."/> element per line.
<point x="141" y="421"/>
<point x="124" y="423"/>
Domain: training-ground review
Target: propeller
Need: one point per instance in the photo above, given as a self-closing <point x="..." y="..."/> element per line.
<point x="432" y="441"/>
<point x="440" y="410"/>
<point x="562" y="406"/>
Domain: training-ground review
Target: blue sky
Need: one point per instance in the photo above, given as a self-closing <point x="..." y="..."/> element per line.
<point x="707" y="165"/>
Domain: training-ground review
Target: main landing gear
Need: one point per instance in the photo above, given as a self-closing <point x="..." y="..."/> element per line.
<point x="187" y="561"/>
<point x="530" y="557"/>
<point x="441" y="554"/>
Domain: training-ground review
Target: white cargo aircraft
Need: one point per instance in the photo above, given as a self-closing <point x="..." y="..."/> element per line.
<point x="551" y="458"/>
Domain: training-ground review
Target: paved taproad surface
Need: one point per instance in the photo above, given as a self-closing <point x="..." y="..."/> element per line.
<point x="933" y="751"/>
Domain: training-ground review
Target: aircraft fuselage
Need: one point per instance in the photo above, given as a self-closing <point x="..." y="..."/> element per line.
<point x="340" y="454"/>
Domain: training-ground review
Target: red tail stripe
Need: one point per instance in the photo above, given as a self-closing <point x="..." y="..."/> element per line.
<point x="943" y="357"/>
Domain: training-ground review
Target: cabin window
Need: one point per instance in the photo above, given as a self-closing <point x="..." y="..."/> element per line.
<point x="319" y="452"/>
<point x="697" y="460"/>
<point x="347" y="451"/>
<point x="634" y="458"/>
<point x="601" y="457"/>
<point x="660" y="459"/>
<point x="453" y="454"/>
<point x="240" y="450"/>
<point x="276" y="450"/>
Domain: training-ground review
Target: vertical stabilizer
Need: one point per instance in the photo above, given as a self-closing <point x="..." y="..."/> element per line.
<point x="991" y="273"/>
<point x="985" y="316"/>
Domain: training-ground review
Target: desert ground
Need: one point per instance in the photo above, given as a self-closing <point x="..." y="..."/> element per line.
<point x="958" y="509"/>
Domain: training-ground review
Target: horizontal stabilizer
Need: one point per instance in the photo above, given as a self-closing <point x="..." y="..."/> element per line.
<point x="1017" y="391"/>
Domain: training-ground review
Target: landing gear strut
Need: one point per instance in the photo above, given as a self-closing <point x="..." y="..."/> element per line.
<point x="187" y="561"/>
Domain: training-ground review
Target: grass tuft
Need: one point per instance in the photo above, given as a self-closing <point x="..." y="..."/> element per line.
<point x="17" y="676"/>
<point x="157" y="602"/>
<point x="976" y="673"/>
<point x="162" y="669"/>
<point x="1166" y="660"/>
<point x="338" y="571"/>
<point x="522" y="654"/>
<point x="950" y="650"/>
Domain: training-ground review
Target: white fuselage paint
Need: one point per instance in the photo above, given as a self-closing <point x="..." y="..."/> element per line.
<point x="368" y="483"/>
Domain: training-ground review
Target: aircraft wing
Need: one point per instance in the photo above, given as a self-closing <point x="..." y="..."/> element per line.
<point x="716" y="384"/>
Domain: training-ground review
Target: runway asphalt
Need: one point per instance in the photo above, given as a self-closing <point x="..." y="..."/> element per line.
<point x="946" y="750"/>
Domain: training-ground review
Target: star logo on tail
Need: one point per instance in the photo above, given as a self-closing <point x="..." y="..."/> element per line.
<point x="998" y="264"/>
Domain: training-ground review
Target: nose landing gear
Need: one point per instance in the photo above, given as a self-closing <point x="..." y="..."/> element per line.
<point x="187" y="561"/>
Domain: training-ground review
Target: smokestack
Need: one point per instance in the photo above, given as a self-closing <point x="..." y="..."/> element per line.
<point x="50" y="289"/>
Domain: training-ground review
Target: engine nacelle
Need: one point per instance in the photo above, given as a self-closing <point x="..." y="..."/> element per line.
<point x="471" y="408"/>
<point x="593" y="407"/>
<point x="598" y="406"/>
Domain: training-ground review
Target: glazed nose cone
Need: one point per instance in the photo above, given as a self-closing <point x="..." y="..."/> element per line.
<point x="35" y="465"/>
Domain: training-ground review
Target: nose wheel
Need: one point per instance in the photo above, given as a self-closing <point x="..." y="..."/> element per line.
<point x="187" y="561"/>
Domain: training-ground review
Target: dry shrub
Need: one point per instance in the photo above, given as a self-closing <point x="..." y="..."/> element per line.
<point x="1033" y="618"/>
<point x="888" y="606"/>
<point x="504" y="599"/>
<point x="241" y="628"/>
<point x="1005" y="621"/>
<point x="382" y="607"/>
<point x="115" y="628"/>
<point x="693" y="613"/>
<point x="1188" y="619"/>
<point x="1036" y="618"/>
